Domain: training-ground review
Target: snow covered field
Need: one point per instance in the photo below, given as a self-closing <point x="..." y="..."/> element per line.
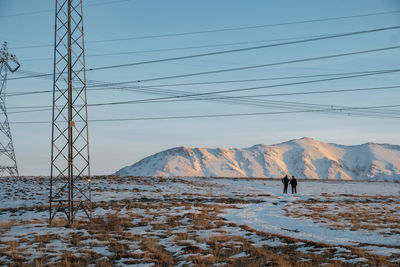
<point x="205" y="221"/>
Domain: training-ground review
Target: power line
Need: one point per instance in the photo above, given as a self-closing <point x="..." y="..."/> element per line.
<point x="178" y="98"/>
<point x="100" y="86"/>
<point x="244" y="99"/>
<point x="248" y="48"/>
<point x="51" y="10"/>
<point x="262" y="65"/>
<point x="261" y="87"/>
<point x="44" y="75"/>
<point x="378" y="113"/>
<point x="222" y="70"/>
<point x="265" y="103"/>
<point x="216" y="71"/>
<point x="250" y="80"/>
<point x="291" y="105"/>
<point x="233" y="90"/>
<point x="224" y="29"/>
<point x="187" y="47"/>
<point x="251" y="114"/>
<point x="224" y="115"/>
<point x="246" y="27"/>
<point x="254" y="88"/>
<point x="270" y="95"/>
<point x="29" y="110"/>
<point x="227" y="98"/>
<point x="325" y="36"/>
<point x="249" y="100"/>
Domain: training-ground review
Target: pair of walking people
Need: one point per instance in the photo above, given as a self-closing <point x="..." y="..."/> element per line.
<point x="292" y="182"/>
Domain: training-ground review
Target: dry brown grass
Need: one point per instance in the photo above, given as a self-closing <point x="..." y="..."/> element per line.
<point x="157" y="253"/>
<point x="181" y="236"/>
<point x="8" y="224"/>
<point x="71" y="260"/>
<point x="173" y="221"/>
<point x="44" y="239"/>
<point x="110" y="222"/>
<point x="371" y="214"/>
<point x="224" y="248"/>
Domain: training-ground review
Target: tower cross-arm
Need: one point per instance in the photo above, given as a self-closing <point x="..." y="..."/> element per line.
<point x="6" y="58"/>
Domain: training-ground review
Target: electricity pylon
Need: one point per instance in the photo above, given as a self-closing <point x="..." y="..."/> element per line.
<point x="70" y="191"/>
<point x="8" y="162"/>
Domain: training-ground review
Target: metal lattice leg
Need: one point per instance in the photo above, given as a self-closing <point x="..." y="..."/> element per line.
<point x="70" y="190"/>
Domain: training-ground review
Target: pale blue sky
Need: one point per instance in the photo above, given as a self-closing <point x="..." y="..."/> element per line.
<point x="117" y="144"/>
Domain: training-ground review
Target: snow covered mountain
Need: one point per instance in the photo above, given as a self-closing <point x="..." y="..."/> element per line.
<point x="303" y="158"/>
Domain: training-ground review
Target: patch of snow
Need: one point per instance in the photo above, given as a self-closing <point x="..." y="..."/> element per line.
<point x="351" y="261"/>
<point x="101" y="250"/>
<point x="240" y="255"/>
<point x="270" y="218"/>
<point x="275" y="242"/>
<point x="383" y="251"/>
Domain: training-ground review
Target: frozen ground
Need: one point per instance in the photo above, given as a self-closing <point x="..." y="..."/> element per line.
<point x="204" y="221"/>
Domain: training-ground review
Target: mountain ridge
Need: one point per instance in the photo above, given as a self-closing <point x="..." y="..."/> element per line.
<point x="303" y="158"/>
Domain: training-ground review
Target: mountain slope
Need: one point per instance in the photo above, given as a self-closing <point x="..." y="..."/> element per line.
<point x="303" y="158"/>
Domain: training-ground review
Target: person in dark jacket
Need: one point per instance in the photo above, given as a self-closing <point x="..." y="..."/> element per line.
<point x="293" y="183"/>
<point x="285" y="182"/>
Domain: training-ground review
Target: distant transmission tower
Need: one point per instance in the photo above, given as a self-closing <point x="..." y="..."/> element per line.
<point x="8" y="162"/>
<point x="70" y="191"/>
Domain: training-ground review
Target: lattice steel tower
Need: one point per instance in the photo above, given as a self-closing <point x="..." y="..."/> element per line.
<point x="8" y="162"/>
<point x="70" y="191"/>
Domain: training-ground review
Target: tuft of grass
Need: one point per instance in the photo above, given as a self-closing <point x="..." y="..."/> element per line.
<point x="110" y="222"/>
